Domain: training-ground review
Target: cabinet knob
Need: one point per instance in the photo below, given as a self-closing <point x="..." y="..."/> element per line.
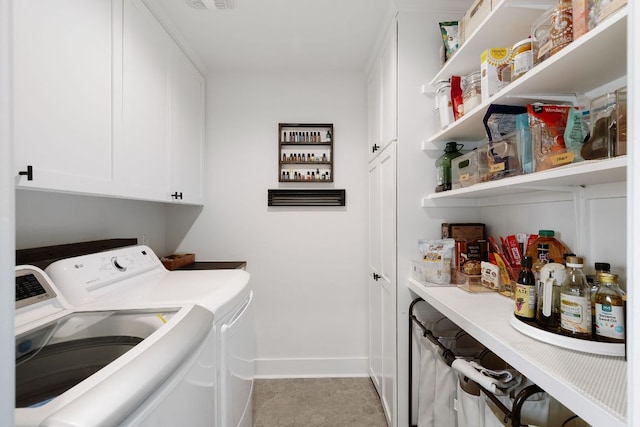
<point x="375" y="148"/>
<point x="376" y="276"/>
<point x="28" y="173"/>
<point x="177" y="195"/>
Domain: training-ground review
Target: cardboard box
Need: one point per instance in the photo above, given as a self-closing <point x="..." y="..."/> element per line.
<point x="175" y="261"/>
<point x="475" y="15"/>
<point x="607" y="8"/>
<point x="463" y="231"/>
<point x="495" y="69"/>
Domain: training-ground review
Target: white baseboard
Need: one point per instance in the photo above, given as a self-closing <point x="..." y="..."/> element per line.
<point x="312" y="368"/>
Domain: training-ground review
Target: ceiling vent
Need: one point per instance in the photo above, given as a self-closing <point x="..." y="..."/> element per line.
<point x="208" y="4"/>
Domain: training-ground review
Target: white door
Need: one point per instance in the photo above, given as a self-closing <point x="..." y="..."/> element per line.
<point x="382" y="277"/>
<point x="387" y="161"/>
<point x="186" y="129"/>
<point x="63" y="69"/>
<point x="389" y="82"/>
<point x="141" y="157"/>
<point x="375" y="289"/>
<point x="374" y="110"/>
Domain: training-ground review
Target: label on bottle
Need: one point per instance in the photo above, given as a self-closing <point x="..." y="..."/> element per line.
<point x="610" y="321"/>
<point x="525" y="301"/>
<point x="575" y="314"/>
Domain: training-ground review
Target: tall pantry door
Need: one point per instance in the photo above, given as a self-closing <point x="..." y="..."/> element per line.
<point x="382" y="277"/>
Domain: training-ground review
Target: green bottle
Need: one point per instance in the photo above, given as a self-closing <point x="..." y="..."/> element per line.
<point x="443" y="166"/>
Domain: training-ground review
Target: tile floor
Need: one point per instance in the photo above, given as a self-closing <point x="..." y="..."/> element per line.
<point x="317" y="402"/>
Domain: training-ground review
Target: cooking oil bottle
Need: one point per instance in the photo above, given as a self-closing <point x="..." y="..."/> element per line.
<point x="575" y="301"/>
<point x="609" y="309"/>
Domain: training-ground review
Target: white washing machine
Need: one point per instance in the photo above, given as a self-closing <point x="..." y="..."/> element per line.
<point x="108" y="367"/>
<point x="135" y="276"/>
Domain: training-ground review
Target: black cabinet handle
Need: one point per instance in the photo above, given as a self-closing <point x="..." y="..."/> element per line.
<point x="177" y="195"/>
<point x="375" y="148"/>
<point x="376" y="276"/>
<point x="28" y="173"/>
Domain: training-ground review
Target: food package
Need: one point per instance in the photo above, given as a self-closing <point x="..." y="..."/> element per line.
<point x="548" y="124"/>
<point x="457" y="101"/>
<point x="437" y="257"/>
<point x="490" y="275"/>
<point x="449" y="32"/>
<point x="583" y="17"/>
<point x="469" y="255"/>
<point x="469" y="231"/>
<point x="500" y="120"/>
<point x="495" y="69"/>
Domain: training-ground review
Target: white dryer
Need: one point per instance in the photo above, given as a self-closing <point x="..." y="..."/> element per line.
<point x="107" y="367"/>
<point x="135" y="276"/>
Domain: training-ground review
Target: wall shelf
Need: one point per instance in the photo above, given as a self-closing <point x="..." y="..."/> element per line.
<point x="305" y="152"/>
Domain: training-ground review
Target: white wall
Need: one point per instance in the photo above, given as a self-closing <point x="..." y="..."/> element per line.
<point x="307" y="265"/>
<point x="44" y="219"/>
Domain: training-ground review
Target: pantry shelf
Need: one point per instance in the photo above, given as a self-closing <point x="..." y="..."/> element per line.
<point x="509" y="20"/>
<point x="585" y="173"/>
<point x="573" y="71"/>
<point x="593" y="386"/>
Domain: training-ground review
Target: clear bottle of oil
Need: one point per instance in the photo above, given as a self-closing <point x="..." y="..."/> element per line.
<point x="609" y="309"/>
<point x="575" y="301"/>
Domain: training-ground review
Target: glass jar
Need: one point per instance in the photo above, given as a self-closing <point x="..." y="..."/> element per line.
<point x="443" y="103"/>
<point x="621" y="122"/>
<point x="602" y="138"/>
<point x="471" y="91"/>
<point x="521" y="58"/>
<point x="575" y="301"/>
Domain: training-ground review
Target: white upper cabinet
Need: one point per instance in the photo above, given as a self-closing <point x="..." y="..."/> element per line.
<point x="63" y="94"/>
<point x="382" y="93"/>
<point x="106" y="103"/>
<point x="141" y="156"/>
<point x="186" y="130"/>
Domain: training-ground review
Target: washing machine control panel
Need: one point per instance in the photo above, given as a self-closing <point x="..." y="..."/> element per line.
<point x="84" y="278"/>
<point x="32" y="287"/>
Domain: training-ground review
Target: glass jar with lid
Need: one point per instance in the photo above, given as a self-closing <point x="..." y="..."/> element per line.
<point x="471" y="91"/>
<point x="443" y="103"/>
<point x="521" y="58"/>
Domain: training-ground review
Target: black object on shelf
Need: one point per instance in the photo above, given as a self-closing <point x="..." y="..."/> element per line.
<point x="330" y="197"/>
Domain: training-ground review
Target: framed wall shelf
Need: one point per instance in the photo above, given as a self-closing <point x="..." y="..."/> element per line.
<point x="305" y="152"/>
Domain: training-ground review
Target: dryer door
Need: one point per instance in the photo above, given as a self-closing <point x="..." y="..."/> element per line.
<point x="238" y="354"/>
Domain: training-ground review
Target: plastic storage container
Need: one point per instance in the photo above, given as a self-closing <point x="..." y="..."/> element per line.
<point x="621" y="122"/>
<point x="464" y="170"/>
<point x="499" y="159"/>
<point x="443" y="103"/>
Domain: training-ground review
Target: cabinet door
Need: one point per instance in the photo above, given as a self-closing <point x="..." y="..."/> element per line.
<point x="389" y="88"/>
<point x="186" y="129"/>
<point x="375" y="295"/>
<point x="387" y="161"/>
<point x="374" y="111"/>
<point x="382" y="281"/>
<point x="63" y="93"/>
<point x="141" y="157"/>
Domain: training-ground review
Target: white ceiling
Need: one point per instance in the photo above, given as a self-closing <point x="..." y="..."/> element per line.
<point x="279" y="34"/>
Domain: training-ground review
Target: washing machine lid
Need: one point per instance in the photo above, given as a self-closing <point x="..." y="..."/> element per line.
<point x="97" y="367"/>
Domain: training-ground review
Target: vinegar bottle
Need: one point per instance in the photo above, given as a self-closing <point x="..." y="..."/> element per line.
<point x="525" y="297"/>
<point x="609" y="309"/>
<point x="575" y="301"/>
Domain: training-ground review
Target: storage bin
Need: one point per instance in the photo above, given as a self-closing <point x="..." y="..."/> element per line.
<point x="499" y="159"/>
<point x="464" y="170"/>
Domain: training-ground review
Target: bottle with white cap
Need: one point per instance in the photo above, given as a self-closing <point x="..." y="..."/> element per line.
<point x="575" y="301"/>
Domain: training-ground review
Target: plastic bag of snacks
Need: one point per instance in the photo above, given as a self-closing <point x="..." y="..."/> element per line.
<point x="437" y="257"/>
<point x="449" y="32"/>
